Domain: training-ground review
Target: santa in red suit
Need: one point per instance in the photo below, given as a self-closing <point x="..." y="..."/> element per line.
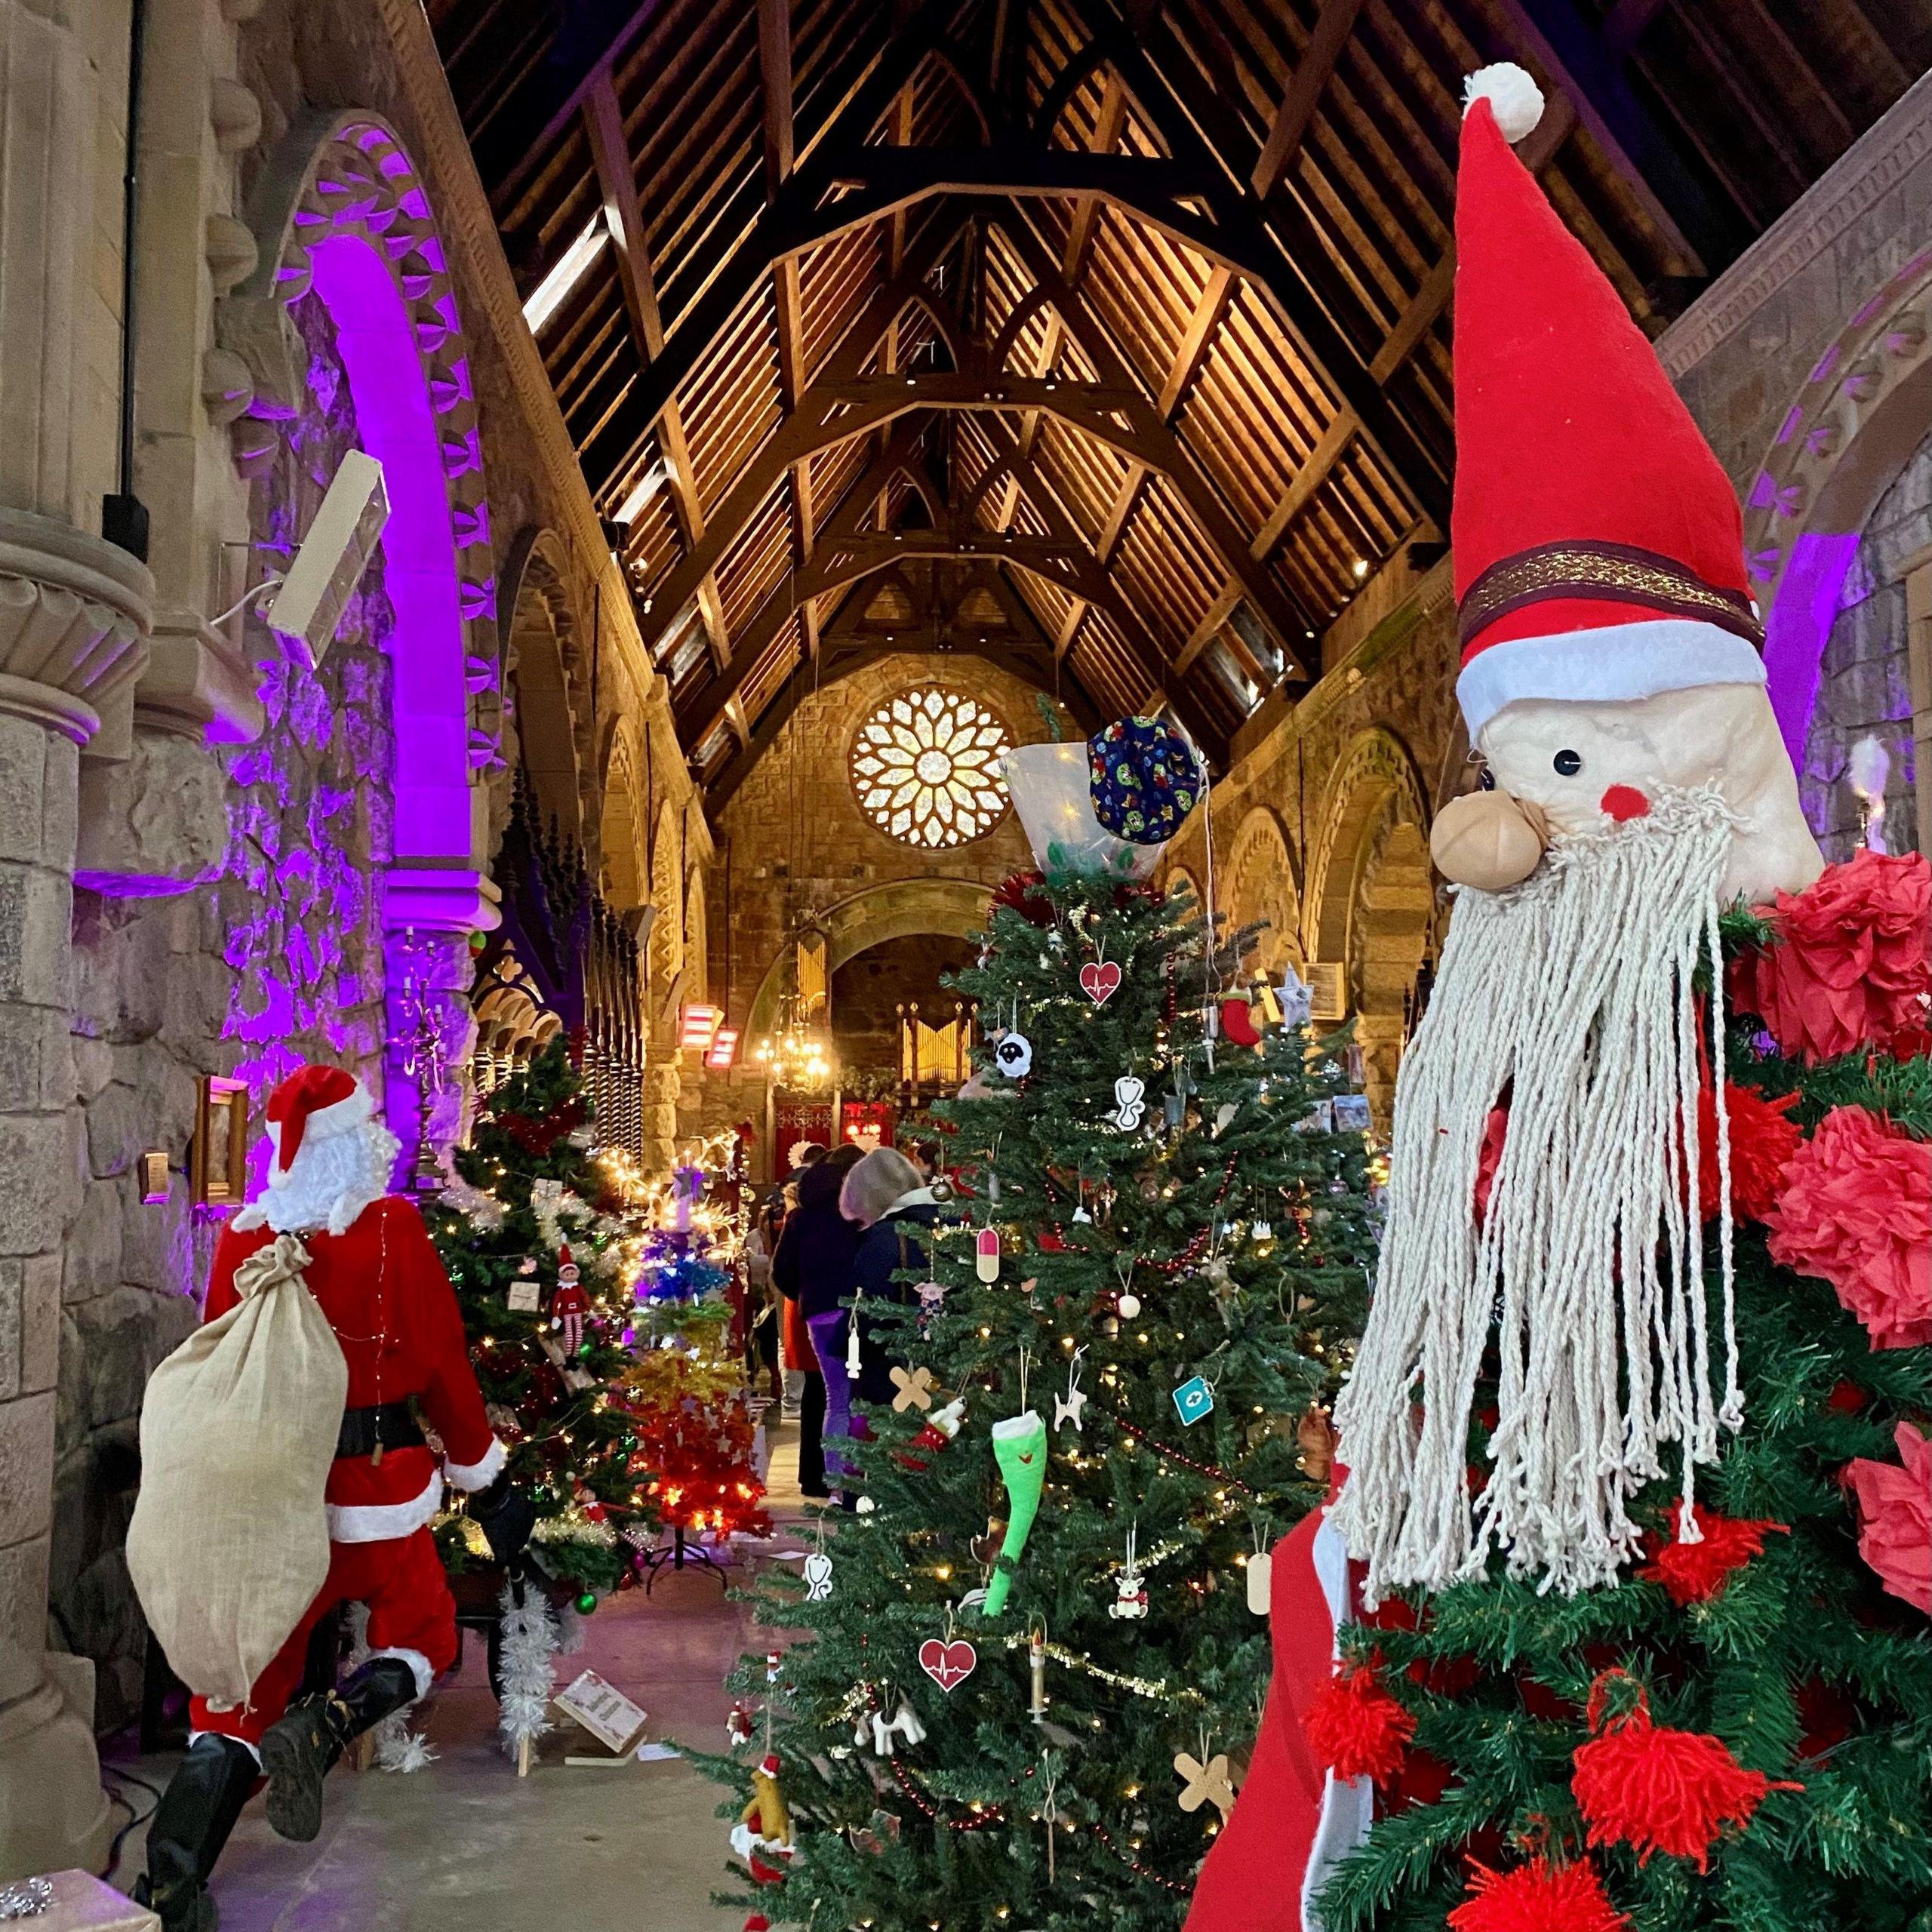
<point x="376" y="1276"/>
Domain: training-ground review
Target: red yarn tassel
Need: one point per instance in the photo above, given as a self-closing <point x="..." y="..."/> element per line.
<point x="1536" y="1897"/>
<point x="1657" y="1789"/>
<point x="1356" y="1727"/>
<point x="1695" y="1572"/>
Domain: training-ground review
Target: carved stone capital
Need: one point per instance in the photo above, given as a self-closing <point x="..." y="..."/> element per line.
<point x="74" y="612"/>
<point x="197" y="684"/>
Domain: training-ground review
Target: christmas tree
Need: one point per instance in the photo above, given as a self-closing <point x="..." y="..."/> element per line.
<point x="542" y="1246"/>
<point x="1038" y="1629"/>
<point x="1738" y="1732"/>
<point x="687" y="1390"/>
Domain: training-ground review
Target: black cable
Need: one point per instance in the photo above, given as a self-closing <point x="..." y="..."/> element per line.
<point x="134" y="1817"/>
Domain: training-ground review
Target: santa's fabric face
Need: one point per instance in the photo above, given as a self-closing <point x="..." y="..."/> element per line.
<point x="1587" y="764"/>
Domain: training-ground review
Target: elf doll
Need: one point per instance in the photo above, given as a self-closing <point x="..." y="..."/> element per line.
<point x="570" y="1304"/>
<point x="377" y="1278"/>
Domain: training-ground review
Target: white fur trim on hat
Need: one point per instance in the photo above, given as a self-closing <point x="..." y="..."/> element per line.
<point x="351" y="1111"/>
<point x="1612" y="663"/>
<point x="1514" y="98"/>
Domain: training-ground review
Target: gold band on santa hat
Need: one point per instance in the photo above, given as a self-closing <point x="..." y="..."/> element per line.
<point x="1615" y="573"/>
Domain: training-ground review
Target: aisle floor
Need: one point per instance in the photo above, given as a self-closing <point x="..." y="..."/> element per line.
<point x="464" y="1845"/>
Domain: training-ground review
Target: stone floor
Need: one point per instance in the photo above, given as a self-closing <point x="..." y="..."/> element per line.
<point x="466" y="1846"/>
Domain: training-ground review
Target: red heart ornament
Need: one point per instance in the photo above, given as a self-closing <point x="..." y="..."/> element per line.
<point x="948" y="1665"/>
<point x="1100" y="979"/>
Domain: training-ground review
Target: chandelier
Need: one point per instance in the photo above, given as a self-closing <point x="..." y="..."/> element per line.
<point x="796" y="1055"/>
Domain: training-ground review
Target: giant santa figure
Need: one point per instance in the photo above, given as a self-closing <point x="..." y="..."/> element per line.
<point x="1543" y="1209"/>
<point x="375" y="1275"/>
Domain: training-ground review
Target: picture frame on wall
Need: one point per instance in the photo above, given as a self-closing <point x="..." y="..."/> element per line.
<point x="218" y="1161"/>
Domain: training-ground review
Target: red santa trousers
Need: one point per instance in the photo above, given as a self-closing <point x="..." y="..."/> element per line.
<point x="411" y="1610"/>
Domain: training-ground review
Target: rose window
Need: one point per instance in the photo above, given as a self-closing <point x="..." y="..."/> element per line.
<point x="924" y="767"/>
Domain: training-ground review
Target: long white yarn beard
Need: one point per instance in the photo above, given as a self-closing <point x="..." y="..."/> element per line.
<point x="1573" y="990"/>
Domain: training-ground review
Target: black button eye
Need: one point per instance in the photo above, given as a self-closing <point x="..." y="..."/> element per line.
<point x="1485" y="779"/>
<point x="1567" y="764"/>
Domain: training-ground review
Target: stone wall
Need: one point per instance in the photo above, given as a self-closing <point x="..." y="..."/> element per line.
<point x="1865" y="688"/>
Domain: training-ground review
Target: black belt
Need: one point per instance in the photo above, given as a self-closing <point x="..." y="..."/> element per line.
<point x="393" y="1424"/>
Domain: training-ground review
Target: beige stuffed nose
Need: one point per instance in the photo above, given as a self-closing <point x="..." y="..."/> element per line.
<point x="1488" y="840"/>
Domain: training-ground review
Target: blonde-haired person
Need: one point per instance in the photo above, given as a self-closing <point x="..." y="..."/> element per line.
<point x="887" y="1196"/>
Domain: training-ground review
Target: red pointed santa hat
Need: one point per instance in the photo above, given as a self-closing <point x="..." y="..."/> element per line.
<point x="1599" y="552"/>
<point x="314" y="1104"/>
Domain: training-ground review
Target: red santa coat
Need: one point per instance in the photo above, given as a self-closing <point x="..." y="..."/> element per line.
<point x="383" y="1288"/>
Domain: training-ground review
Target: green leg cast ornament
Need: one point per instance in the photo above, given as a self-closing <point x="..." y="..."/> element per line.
<point x="1019" y="1447"/>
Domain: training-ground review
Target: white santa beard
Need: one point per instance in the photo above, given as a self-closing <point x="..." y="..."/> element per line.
<point x="329" y="1183"/>
<point x="1574" y="990"/>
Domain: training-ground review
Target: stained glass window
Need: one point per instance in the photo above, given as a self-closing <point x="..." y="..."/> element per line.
<point x="923" y="767"/>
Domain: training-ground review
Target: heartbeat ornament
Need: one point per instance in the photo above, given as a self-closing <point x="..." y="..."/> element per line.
<point x="1099" y="980"/>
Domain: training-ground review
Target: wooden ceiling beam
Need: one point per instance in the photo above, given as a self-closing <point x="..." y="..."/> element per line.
<point x="1575" y="56"/>
<point x="774" y="47"/>
<point x="1559" y="117"/>
<point x="1625" y="23"/>
<point x="774" y="59"/>
<point x="611" y="155"/>
<point x="1333" y="26"/>
<point x="730" y="269"/>
<point x="1271" y="603"/>
<point x="1248" y="235"/>
<point x="1308" y="479"/>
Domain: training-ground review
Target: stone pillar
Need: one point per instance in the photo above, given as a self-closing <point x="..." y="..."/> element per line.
<point x="74" y="613"/>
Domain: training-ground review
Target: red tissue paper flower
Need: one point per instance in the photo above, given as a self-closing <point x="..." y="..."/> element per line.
<point x="1695" y="1572"/>
<point x="1020" y="892"/>
<point x="1658" y="1789"/>
<point x="1852" y="964"/>
<point x="1895" y="1517"/>
<point x="1763" y="1140"/>
<point x="1356" y="1727"/>
<point x="1488" y="1157"/>
<point x="1536" y="1897"/>
<point x="1857" y="1212"/>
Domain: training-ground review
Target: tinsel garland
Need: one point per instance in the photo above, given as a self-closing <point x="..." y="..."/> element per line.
<point x="525" y="1667"/>
<point x="397" y="1748"/>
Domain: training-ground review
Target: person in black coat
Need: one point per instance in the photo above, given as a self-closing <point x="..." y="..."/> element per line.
<point x="812" y="1267"/>
<point x="886" y="1196"/>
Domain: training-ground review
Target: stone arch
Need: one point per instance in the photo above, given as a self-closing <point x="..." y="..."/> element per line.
<point x="1374" y="778"/>
<point x="624" y="863"/>
<point x="955" y="907"/>
<point x="1369" y="899"/>
<point x="666" y="951"/>
<point x="1261" y="885"/>
<point x="1863" y="411"/>
<point x="544" y="666"/>
<point x="697" y="962"/>
<point x="341" y="214"/>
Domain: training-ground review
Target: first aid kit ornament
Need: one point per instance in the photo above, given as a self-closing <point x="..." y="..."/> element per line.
<point x="1194" y="1398"/>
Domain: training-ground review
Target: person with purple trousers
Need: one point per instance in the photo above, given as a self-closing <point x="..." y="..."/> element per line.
<point x="812" y="1267"/>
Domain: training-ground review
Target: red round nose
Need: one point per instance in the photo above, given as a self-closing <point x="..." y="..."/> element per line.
<point x="1624" y="802"/>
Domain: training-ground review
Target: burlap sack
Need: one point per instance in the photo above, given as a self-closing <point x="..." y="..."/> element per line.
<point x="229" y="1543"/>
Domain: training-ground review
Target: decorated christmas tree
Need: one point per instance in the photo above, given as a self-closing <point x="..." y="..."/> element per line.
<point x="696" y="1437"/>
<point x="542" y="1246"/>
<point x="1638" y="1473"/>
<point x="1033" y="1653"/>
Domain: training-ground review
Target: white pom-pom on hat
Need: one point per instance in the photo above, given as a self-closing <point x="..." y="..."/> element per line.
<point x="1513" y="98"/>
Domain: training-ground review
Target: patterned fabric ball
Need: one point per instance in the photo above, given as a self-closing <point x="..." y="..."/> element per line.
<point x="1145" y="777"/>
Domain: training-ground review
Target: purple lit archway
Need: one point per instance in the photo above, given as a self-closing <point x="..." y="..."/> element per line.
<point x="342" y="214"/>
<point x="1866" y="406"/>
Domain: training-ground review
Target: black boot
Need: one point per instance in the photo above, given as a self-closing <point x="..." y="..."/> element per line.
<point x="299" y="1749"/>
<point x="190" y="1826"/>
